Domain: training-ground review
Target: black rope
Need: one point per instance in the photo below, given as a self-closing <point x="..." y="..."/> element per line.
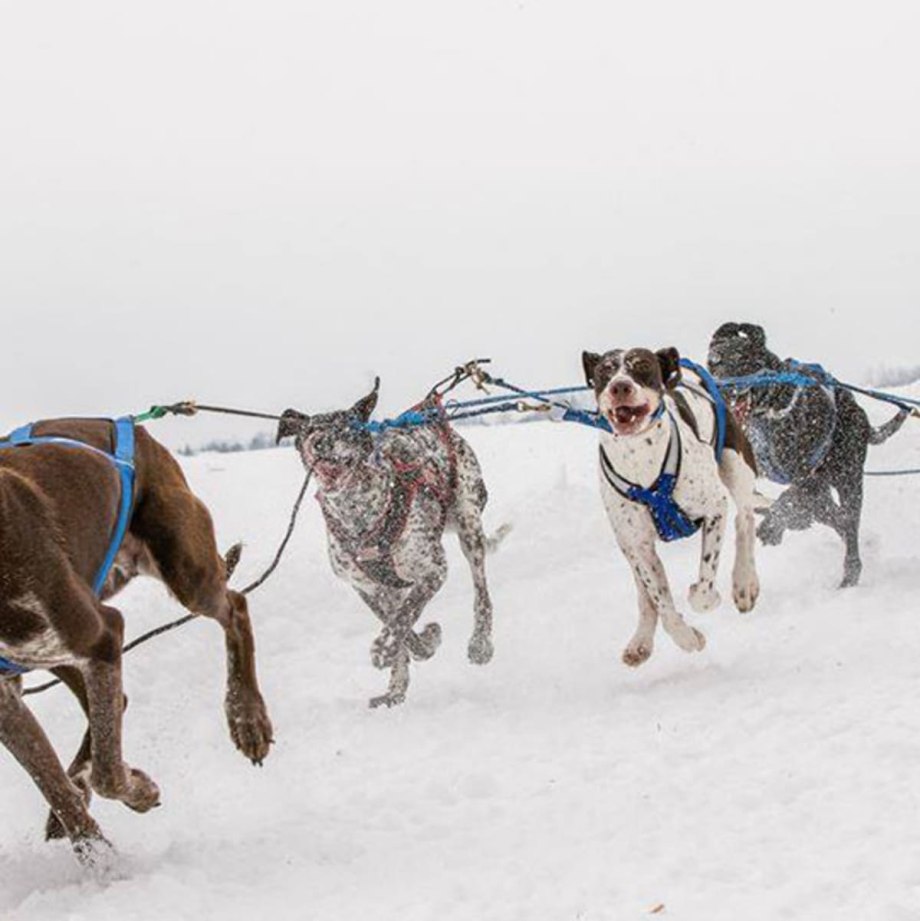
<point x="228" y="411"/>
<point x="165" y="628"/>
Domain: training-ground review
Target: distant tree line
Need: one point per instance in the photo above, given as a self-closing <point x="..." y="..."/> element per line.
<point x="883" y="376"/>
<point x="221" y="446"/>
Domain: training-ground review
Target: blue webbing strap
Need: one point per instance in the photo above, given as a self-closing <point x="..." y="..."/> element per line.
<point x="671" y="522"/>
<point x="11" y="669"/>
<point x="669" y="519"/>
<point x="123" y="460"/>
<point x="587" y="417"/>
<point x="718" y="401"/>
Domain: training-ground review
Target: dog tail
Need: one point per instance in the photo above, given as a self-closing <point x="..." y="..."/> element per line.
<point x="494" y="541"/>
<point x="884" y="432"/>
<point x="232" y="559"/>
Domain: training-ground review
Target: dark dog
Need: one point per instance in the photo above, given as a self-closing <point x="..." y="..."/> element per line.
<point x="812" y="438"/>
<point x="58" y="505"/>
<point x="386" y="501"/>
<point x="662" y="478"/>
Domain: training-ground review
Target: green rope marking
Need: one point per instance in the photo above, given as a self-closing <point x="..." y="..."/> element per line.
<point x="155" y="412"/>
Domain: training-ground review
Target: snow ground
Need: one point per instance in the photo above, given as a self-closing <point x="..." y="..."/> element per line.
<point x="773" y="776"/>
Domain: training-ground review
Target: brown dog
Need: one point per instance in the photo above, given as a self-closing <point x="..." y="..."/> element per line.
<point x="58" y="507"/>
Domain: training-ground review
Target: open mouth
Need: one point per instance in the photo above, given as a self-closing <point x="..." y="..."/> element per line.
<point x="628" y="417"/>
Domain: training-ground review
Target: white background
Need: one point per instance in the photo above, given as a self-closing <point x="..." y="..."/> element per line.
<point x="267" y="203"/>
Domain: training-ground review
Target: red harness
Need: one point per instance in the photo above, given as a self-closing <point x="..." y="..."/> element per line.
<point x="371" y="548"/>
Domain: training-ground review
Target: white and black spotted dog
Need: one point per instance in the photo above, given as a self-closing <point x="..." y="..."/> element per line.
<point x="661" y="480"/>
<point x="387" y="499"/>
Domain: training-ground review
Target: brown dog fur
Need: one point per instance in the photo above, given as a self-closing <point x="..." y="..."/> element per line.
<point x="58" y="507"/>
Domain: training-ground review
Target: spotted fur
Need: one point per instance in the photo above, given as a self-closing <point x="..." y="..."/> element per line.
<point x="386" y="501"/>
<point x="630" y="386"/>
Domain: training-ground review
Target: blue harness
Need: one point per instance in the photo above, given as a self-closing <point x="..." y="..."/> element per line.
<point x="802" y="376"/>
<point x="123" y="460"/>
<point x="670" y="520"/>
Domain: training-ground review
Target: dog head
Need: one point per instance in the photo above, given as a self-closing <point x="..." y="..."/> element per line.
<point x="739" y="349"/>
<point x="336" y="438"/>
<point x="630" y="384"/>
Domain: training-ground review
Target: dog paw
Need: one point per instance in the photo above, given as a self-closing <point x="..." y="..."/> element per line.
<point x="143" y="793"/>
<point x="636" y="653"/>
<point x="96" y="855"/>
<point x="390" y="699"/>
<point x="703" y="597"/>
<point x="129" y="786"/>
<point x="250" y="726"/>
<point x="746" y="595"/>
<point x="851" y="574"/>
<point x="480" y="649"/>
<point x="690" y="639"/>
<point x="424" y="645"/>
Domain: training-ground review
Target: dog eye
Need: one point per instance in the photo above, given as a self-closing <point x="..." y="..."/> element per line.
<point x="609" y="365"/>
<point x="640" y="365"/>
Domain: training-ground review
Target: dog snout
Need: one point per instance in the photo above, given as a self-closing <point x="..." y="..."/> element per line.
<point x="291" y="423"/>
<point x="622" y="389"/>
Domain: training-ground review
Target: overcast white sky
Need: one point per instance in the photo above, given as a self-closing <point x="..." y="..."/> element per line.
<point x="264" y="203"/>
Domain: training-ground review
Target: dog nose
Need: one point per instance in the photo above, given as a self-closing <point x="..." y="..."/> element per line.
<point x="621" y="389"/>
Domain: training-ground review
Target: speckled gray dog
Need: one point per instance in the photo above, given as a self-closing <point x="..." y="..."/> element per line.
<point x="387" y="499"/>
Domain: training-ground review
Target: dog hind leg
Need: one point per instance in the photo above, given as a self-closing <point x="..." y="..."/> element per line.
<point x="79" y="770"/>
<point x="473" y="545"/>
<point x="851" y="502"/>
<point x="27" y="743"/>
<point x="470" y="500"/>
<point x="740" y="480"/>
<point x="110" y="777"/>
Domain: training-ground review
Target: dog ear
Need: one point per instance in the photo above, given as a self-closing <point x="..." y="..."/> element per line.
<point x="754" y="333"/>
<point x="364" y="408"/>
<point x="669" y="360"/>
<point x="725" y="331"/>
<point x="589" y="362"/>
<point x="291" y="423"/>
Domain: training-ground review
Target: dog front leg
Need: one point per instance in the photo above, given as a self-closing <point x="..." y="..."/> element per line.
<point x="421" y="646"/>
<point x="643" y="642"/>
<point x="649" y="571"/>
<point x="703" y="595"/>
<point x="399" y="630"/>
<point x="247" y="715"/>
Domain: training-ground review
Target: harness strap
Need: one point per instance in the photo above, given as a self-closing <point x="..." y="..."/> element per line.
<point x="718" y="402"/>
<point x="122" y="458"/>
<point x="10" y="669"/>
<point x="804" y="378"/>
<point x="670" y="520"/>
